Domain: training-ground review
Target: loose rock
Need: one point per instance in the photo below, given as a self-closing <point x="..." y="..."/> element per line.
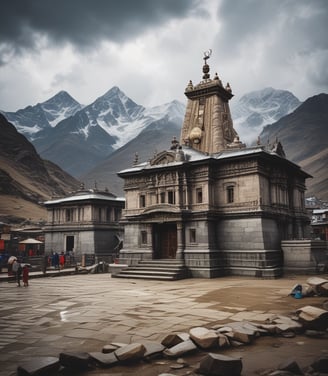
<point x="132" y="352"/>
<point x="203" y="337"/>
<point x="313" y="317"/>
<point x="39" y="366"/>
<point x="75" y="360"/>
<point x="220" y="365"/>
<point x="104" y="360"/>
<point x="321" y="364"/>
<point x="174" y="339"/>
<point x="109" y="348"/>
<point x="181" y="349"/>
<point x="290" y="366"/>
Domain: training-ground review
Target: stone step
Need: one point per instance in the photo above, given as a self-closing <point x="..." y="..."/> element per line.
<point x="144" y="276"/>
<point x="155" y="269"/>
<point x="161" y="262"/>
<point x="158" y="267"/>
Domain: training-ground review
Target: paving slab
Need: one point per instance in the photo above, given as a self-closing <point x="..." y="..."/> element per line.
<point x="43" y="316"/>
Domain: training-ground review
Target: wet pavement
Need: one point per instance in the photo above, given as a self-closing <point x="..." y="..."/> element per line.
<point x="86" y="312"/>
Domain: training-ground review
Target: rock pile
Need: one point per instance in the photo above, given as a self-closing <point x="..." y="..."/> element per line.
<point x="310" y="320"/>
<point x="314" y="286"/>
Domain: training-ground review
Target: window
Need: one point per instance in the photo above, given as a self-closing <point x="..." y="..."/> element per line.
<point x="199" y="195"/>
<point x="99" y="214"/>
<point x="230" y="194"/>
<point x="142" y="201"/>
<point x="170" y="197"/>
<point x="117" y="214"/>
<point x="69" y="215"/>
<point x="192" y="235"/>
<point x="108" y="214"/>
<point x="162" y="197"/>
<point x="143" y="237"/>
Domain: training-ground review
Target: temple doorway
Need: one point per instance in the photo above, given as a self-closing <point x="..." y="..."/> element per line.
<point x="69" y="243"/>
<point x="165" y="241"/>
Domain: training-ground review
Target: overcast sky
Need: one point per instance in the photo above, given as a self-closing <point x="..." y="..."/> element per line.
<point x="150" y="49"/>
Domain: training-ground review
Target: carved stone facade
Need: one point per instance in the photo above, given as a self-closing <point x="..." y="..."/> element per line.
<point x="87" y="223"/>
<point x="211" y="202"/>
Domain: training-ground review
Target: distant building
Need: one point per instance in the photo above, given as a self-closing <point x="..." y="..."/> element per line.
<point x="211" y="202"/>
<point x="319" y="224"/>
<point x="86" y="223"/>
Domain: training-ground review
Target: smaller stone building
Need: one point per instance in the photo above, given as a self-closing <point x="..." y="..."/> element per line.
<point x="319" y="224"/>
<point x="86" y="223"/>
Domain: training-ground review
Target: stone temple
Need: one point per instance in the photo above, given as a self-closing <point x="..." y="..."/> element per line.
<point x="212" y="203"/>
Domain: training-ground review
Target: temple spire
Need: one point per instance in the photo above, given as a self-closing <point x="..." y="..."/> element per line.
<point x="208" y="125"/>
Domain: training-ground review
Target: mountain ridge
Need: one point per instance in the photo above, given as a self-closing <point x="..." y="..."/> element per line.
<point x="258" y="108"/>
<point x="25" y="179"/>
<point x="303" y="134"/>
<point x="82" y="140"/>
<point x="114" y="125"/>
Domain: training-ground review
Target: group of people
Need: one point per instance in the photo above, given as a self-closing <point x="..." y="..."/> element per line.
<point x="57" y="260"/>
<point x="20" y="271"/>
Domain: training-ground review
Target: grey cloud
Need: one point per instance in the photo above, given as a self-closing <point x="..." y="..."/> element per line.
<point x="296" y="21"/>
<point x="83" y="23"/>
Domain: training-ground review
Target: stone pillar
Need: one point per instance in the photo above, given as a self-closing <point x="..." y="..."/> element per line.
<point x="181" y="241"/>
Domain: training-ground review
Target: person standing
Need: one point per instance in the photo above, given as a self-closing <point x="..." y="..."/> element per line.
<point x="17" y="270"/>
<point x="25" y="275"/>
<point x="62" y="260"/>
<point x="44" y="263"/>
<point x="56" y="260"/>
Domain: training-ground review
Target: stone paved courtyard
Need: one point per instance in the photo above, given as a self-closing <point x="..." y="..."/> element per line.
<point x="85" y="312"/>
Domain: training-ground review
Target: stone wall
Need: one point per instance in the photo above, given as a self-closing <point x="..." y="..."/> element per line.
<point x="304" y="256"/>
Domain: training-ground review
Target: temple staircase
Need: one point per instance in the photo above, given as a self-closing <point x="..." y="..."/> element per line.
<point x="163" y="270"/>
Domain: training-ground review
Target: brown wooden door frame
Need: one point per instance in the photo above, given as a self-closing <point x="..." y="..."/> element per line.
<point x="165" y="240"/>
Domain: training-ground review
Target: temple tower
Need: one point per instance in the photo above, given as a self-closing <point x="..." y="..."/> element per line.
<point x="207" y="125"/>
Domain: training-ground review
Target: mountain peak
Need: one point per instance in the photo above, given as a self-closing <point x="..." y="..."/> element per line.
<point x="61" y="98"/>
<point x="258" y="108"/>
<point x="115" y="91"/>
<point x="267" y="94"/>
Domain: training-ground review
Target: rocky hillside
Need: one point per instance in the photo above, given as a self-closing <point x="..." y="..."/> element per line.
<point x="304" y="135"/>
<point x="26" y="180"/>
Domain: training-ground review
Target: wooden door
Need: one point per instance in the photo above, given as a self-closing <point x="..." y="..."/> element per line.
<point x="165" y="240"/>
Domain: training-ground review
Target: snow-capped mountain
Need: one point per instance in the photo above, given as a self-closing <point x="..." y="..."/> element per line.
<point x="33" y="119"/>
<point x="123" y="119"/>
<point x="175" y="111"/>
<point x="256" y="109"/>
<point x="81" y="141"/>
<point x="79" y="138"/>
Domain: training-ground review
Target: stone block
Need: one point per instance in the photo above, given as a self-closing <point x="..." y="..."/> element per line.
<point x="174" y="339"/>
<point x="321" y="364"/>
<point x="42" y="366"/>
<point x="313" y="317"/>
<point x="290" y="366"/>
<point x="104" y="360"/>
<point x="223" y="341"/>
<point x="153" y="348"/>
<point x="75" y="360"/>
<point x="132" y="352"/>
<point x="181" y="349"/>
<point x="109" y="348"/>
<point x="117" y="268"/>
<point x="220" y="365"/>
<point x="203" y="337"/>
